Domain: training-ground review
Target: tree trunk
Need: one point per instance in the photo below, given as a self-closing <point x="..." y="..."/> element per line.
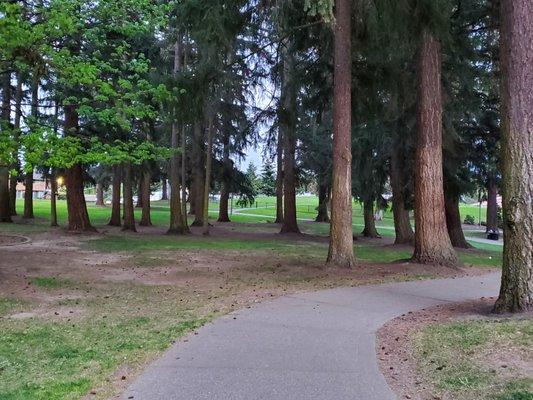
<point x="432" y="243"/>
<point x="5" y="121"/>
<point x="53" y="198"/>
<point x="53" y="174"/>
<point x="139" y="192"/>
<point x="164" y="190"/>
<point x="99" y="195"/>
<point x="28" y="180"/>
<point x="287" y="127"/>
<point x="146" y="178"/>
<point x="192" y="198"/>
<point x="198" y="174"/>
<point x="516" y="293"/>
<point x="13" y="194"/>
<point x="207" y="186"/>
<point x="116" y="219"/>
<point x="28" y="195"/>
<point x="453" y="221"/>
<point x="341" y="232"/>
<point x="279" y="179"/>
<point x="370" y="223"/>
<point x="78" y="217"/>
<point x="184" y="129"/>
<point x="129" y="210"/>
<point x="492" y="206"/>
<point x="402" y="224"/>
<point x="323" y="199"/>
<point x="223" y="215"/>
<point x="16" y="135"/>
<point x="5" y="211"/>
<point x="184" y="180"/>
<point x="176" y="218"/>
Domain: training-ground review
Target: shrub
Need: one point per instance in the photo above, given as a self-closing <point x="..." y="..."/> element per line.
<point x="469" y="220"/>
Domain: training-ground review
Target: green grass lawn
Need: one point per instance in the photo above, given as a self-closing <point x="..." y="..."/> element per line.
<point x="265" y="212"/>
<point x="484" y="359"/>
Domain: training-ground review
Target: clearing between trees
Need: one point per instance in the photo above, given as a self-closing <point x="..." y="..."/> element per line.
<point x="84" y="313"/>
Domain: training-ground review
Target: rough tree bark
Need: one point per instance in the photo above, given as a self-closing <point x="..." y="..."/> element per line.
<point x="341" y="234"/>
<point x="129" y="209"/>
<point x="192" y="196"/>
<point x="432" y="243"/>
<point x="184" y="180"/>
<point x="287" y="127"/>
<point x="368" y="217"/>
<point x="279" y="179"/>
<point x="5" y="121"/>
<point x="116" y="219"/>
<point x="516" y="293"/>
<point x="139" y="203"/>
<point x="402" y="224"/>
<point x="78" y="217"/>
<point x="176" y="217"/>
<point x="16" y="135"/>
<point x="453" y="220"/>
<point x="146" y="178"/>
<point x="223" y="215"/>
<point x="492" y="205"/>
<point x="207" y="185"/>
<point x="28" y="195"/>
<point x="323" y="200"/>
<point x="99" y="195"/>
<point x="198" y="174"/>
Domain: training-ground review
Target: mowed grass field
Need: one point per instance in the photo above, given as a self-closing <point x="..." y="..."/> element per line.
<point x="262" y="211"/>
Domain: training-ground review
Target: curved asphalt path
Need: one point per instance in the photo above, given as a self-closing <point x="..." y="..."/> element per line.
<point x="307" y="346"/>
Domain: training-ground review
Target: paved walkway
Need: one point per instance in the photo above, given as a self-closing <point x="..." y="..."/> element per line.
<point x="308" y="346"/>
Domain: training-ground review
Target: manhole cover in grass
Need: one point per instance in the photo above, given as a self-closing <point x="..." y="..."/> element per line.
<point x="10" y="240"/>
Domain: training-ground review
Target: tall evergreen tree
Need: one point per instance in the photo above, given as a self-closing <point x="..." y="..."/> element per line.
<point x="341" y="235"/>
<point x="516" y="292"/>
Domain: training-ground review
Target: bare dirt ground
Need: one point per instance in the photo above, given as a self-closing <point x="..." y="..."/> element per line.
<point x="400" y="363"/>
<point x="61" y="255"/>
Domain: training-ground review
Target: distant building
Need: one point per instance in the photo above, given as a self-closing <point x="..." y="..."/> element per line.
<point x="41" y="188"/>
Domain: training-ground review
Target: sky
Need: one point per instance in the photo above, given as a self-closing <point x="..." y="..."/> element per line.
<point x="253" y="155"/>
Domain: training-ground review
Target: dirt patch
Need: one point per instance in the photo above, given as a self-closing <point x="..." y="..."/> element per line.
<point x="11" y="240"/>
<point x="398" y="361"/>
<point x="51" y="314"/>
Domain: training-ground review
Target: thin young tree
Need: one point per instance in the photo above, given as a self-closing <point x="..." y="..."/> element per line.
<point x="5" y="126"/>
<point x="208" y="163"/>
<point x="19" y="94"/>
<point x="129" y="208"/>
<point x="287" y="127"/>
<point x="116" y="219"/>
<point x="402" y="224"/>
<point x="28" y="178"/>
